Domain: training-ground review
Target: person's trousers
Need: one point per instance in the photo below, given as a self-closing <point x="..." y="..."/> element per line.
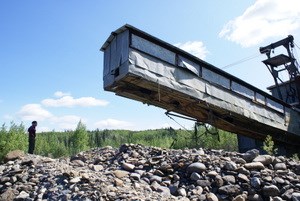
<point x="31" y="145"/>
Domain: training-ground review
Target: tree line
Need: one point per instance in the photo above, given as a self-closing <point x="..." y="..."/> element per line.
<point x="58" y="144"/>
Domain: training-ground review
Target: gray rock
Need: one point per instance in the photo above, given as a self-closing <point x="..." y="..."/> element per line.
<point x="271" y="190"/>
<point x="203" y="183"/>
<point x="128" y="166"/>
<point x="195" y="176"/>
<point x="230" y="165"/>
<point x="181" y="192"/>
<point x="8" y="195"/>
<point x="197" y="191"/>
<point x="97" y="168"/>
<point x="250" y="155"/>
<point x="135" y="176"/>
<point x="229" y="179"/>
<point x="287" y="195"/>
<point x="277" y="198"/>
<point x="211" y="197"/>
<point x="243" y="178"/>
<point x="165" y="191"/>
<point x="230" y="189"/>
<point x="155" y="178"/>
<point x="280" y="166"/>
<point x="264" y="159"/>
<point x="296" y="196"/>
<point x="242" y="197"/>
<point x="218" y="181"/>
<point x="196" y="167"/>
<point x="75" y="180"/>
<point x="13" y="155"/>
<point x="22" y="195"/>
<point x="255" y="182"/>
<point x="120" y="173"/>
<point x="255" y="197"/>
<point x="254" y="166"/>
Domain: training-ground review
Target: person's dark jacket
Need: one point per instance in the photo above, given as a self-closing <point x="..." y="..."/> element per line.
<point x="31" y="131"/>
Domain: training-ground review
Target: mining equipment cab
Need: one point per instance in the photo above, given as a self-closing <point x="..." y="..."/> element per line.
<point x="285" y="90"/>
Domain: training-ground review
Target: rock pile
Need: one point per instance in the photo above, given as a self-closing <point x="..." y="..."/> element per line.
<point x="136" y="172"/>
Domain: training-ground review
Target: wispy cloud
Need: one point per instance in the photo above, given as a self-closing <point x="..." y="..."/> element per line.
<point x="66" y="122"/>
<point x="195" y="48"/>
<point x="69" y="101"/>
<point x="32" y="112"/>
<point x="61" y="94"/>
<point x="113" y="124"/>
<point x="264" y="19"/>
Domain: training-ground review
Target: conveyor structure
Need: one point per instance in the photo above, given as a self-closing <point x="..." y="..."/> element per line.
<point x="144" y="68"/>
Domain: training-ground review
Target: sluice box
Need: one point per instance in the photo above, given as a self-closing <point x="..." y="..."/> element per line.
<point x="144" y="68"/>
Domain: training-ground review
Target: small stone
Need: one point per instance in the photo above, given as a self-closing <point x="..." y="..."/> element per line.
<point x="229" y="179"/>
<point x="218" y="181"/>
<point x="120" y="173"/>
<point x="195" y="176"/>
<point x="135" y="176"/>
<point x="280" y="166"/>
<point x="211" y="197"/>
<point x="22" y="195"/>
<point x="229" y="189"/>
<point x="159" y="173"/>
<point x="279" y="180"/>
<point x="296" y="196"/>
<point x="240" y="198"/>
<point x="254" y="166"/>
<point x="118" y="182"/>
<point x="155" y="178"/>
<point x="196" y="167"/>
<point x="277" y="198"/>
<point x="97" y="168"/>
<point x="75" y="180"/>
<point x="271" y="190"/>
<point x="250" y="155"/>
<point x="203" y="183"/>
<point x="212" y="173"/>
<point x="78" y="163"/>
<point x="181" y="192"/>
<point x="155" y="185"/>
<point x="255" y="182"/>
<point x="230" y="165"/>
<point x="13" y="155"/>
<point x="197" y="191"/>
<point x="264" y="159"/>
<point x="128" y="166"/>
<point x="8" y="195"/>
<point x="255" y="197"/>
<point x="243" y="178"/>
<point x="4" y="180"/>
<point x="287" y="195"/>
<point x="165" y="191"/>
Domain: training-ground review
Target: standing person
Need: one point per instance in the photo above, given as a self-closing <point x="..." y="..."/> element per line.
<point x="31" y="137"/>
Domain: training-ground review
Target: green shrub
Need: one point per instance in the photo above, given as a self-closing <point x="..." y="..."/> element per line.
<point x="268" y="145"/>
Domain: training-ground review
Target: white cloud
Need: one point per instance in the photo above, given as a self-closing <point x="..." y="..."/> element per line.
<point x="36" y="112"/>
<point x="264" y="19"/>
<point x="69" y="101"/>
<point x="66" y="122"/>
<point x="61" y="94"/>
<point x="195" y="48"/>
<point x="32" y="112"/>
<point x="113" y="124"/>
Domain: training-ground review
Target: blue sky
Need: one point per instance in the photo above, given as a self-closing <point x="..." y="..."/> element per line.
<point x="51" y="66"/>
